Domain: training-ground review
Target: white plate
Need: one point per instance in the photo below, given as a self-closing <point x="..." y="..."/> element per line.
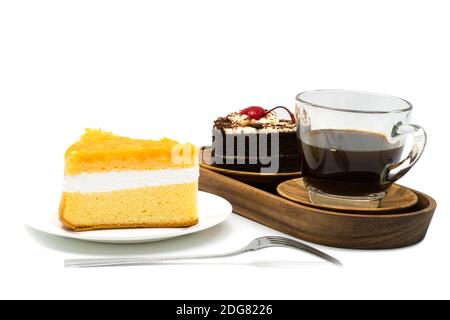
<point x="212" y="211"/>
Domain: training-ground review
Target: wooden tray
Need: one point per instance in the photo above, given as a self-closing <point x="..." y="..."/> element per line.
<point x="337" y="229"/>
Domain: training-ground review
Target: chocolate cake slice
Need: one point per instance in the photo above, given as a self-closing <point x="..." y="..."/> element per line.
<point x="256" y="140"/>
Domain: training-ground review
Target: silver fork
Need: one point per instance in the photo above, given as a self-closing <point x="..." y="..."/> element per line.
<point x="256" y="244"/>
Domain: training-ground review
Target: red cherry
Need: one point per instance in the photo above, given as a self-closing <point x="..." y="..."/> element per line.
<point x="254" y="112"/>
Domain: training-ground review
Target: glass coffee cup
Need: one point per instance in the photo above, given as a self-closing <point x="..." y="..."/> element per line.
<point x="353" y="145"/>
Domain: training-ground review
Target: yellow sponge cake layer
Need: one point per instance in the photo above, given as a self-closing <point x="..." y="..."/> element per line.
<point x="163" y="206"/>
<point x="101" y="151"/>
<point x="118" y="182"/>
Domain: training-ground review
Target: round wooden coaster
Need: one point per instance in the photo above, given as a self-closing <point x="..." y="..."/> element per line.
<point x="398" y="198"/>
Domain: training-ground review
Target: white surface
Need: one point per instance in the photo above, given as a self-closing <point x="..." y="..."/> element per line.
<point x="212" y="210"/>
<point x="154" y="69"/>
<point x="120" y="180"/>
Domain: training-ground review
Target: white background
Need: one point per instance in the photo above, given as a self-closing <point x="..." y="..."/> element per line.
<point x="168" y="68"/>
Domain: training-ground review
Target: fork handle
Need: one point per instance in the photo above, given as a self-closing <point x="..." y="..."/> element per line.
<point x="137" y="261"/>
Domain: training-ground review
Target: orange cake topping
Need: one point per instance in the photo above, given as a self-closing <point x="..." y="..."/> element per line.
<point x="101" y="151"/>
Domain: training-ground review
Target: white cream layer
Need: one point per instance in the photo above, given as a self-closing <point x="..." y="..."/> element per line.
<point x="120" y="180"/>
<point x="248" y="130"/>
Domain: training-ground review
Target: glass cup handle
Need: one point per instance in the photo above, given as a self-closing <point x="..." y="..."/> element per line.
<point x="397" y="170"/>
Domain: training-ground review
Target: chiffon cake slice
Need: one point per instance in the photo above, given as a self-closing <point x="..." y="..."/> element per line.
<point x="117" y="182"/>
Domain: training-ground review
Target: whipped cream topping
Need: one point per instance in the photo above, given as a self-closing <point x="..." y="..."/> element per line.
<point x="249" y="130"/>
<point x="236" y="123"/>
<point x="243" y="120"/>
<point x="130" y="179"/>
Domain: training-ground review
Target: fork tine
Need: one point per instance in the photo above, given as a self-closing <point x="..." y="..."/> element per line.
<point x="312" y="251"/>
<point x="316" y="252"/>
<point x="302" y="246"/>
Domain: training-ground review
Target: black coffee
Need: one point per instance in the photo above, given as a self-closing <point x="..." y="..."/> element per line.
<point x="347" y="162"/>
